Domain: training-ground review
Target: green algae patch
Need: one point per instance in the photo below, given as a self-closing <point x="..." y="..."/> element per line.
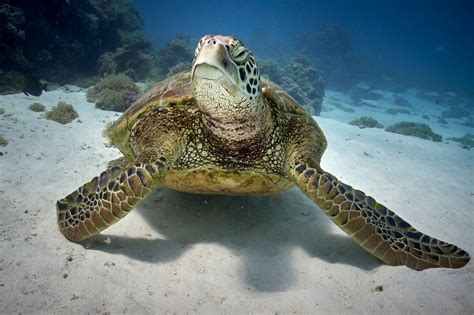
<point x="114" y="92"/>
<point x="62" y="113"/>
<point x="414" y="129"/>
<point x="466" y="141"/>
<point x="37" y="107"/>
<point x="366" y="122"/>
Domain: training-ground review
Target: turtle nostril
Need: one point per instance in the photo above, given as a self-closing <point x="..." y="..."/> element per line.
<point x="213" y="41"/>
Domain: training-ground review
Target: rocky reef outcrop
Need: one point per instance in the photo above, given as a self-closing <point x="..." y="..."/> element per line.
<point x="71" y="41"/>
<point x="300" y="79"/>
<point x="176" y="56"/>
<point x="330" y="49"/>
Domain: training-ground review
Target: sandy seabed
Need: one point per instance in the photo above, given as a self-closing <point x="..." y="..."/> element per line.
<point x="184" y="253"/>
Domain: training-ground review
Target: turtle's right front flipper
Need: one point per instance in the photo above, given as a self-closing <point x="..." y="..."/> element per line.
<point x="107" y="198"/>
<point x="376" y="228"/>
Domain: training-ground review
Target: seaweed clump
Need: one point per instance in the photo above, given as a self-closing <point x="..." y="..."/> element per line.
<point x="466" y="141"/>
<point x="366" y="122"/>
<point x="62" y="113"/>
<point x="37" y="107"/>
<point x="414" y="129"/>
<point x="114" y="92"/>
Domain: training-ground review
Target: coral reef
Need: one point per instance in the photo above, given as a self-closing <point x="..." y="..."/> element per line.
<point x="395" y="111"/>
<point x="419" y="130"/>
<point x="10" y="81"/>
<point x="176" y="51"/>
<point x="300" y="79"/>
<point x="63" y="41"/>
<point x="114" y="92"/>
<point x="270" y="69"/>
<point x="366" y="122"/>
<point x="330" y="48"/>
<point x="62" y="113"/>
<point x="135" y="64"/>
<point x="466" y="141"/>
<point x="179" y="67"/>
<point x="37" y="107"/>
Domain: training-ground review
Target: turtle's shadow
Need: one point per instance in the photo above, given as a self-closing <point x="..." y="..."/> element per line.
<point x="262" y="231"/>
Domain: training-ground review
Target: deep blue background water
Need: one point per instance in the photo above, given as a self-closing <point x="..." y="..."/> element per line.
<point x="429" y="41"/>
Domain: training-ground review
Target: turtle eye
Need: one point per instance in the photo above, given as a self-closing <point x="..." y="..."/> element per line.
<point x="239" y="54"/>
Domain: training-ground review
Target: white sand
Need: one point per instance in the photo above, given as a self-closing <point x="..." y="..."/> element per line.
<point x="207" y="254"/>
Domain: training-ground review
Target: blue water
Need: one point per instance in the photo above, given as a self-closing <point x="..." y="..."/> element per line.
<point x="429" y="43"/>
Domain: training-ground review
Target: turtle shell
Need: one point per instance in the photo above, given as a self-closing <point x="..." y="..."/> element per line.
<point x="177" y="91"/>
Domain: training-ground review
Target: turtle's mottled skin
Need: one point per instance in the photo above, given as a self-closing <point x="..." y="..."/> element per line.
<point x="221" y="129"/>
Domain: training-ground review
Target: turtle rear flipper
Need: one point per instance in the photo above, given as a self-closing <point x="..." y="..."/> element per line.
<point x="374" y="227"/>
<point x="107" y="198"/>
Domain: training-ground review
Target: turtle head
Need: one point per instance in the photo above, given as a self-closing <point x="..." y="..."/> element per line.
<point x="223" y="65"/>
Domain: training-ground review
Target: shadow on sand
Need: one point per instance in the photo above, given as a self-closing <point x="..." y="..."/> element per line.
<point x="261" y="231"/>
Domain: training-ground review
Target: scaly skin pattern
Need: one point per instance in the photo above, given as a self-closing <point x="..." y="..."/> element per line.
<point x="221" y="134"/>
<point x="374" y="227"/>
<point x="209" y="164"/>
<point x="107" y="198"/>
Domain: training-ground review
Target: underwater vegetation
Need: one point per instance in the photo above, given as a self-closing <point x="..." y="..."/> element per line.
<point x="366" y="122"/>
<point x="300" y="79"/>
<point x="62" y="113"/>
<point x="37" y="107"/>
<point x="65" y="41"/>
<point x="2" y="110"/>
<point x="414" y="129"/>
<point x="466" y="141"/>
<point x="114" y="92"/>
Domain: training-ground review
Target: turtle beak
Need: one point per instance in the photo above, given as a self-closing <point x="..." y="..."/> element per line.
<point x="214" y="63"/>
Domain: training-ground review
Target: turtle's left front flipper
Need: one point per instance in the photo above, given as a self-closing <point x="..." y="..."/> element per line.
<point x="374" y="227"/>
<point x="107" y="198"/>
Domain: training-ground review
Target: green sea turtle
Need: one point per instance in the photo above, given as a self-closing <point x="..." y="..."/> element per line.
<point x="222" y="129"/>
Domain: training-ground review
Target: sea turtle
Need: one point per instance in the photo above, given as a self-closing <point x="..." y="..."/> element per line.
<point x="223" y="129"/>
